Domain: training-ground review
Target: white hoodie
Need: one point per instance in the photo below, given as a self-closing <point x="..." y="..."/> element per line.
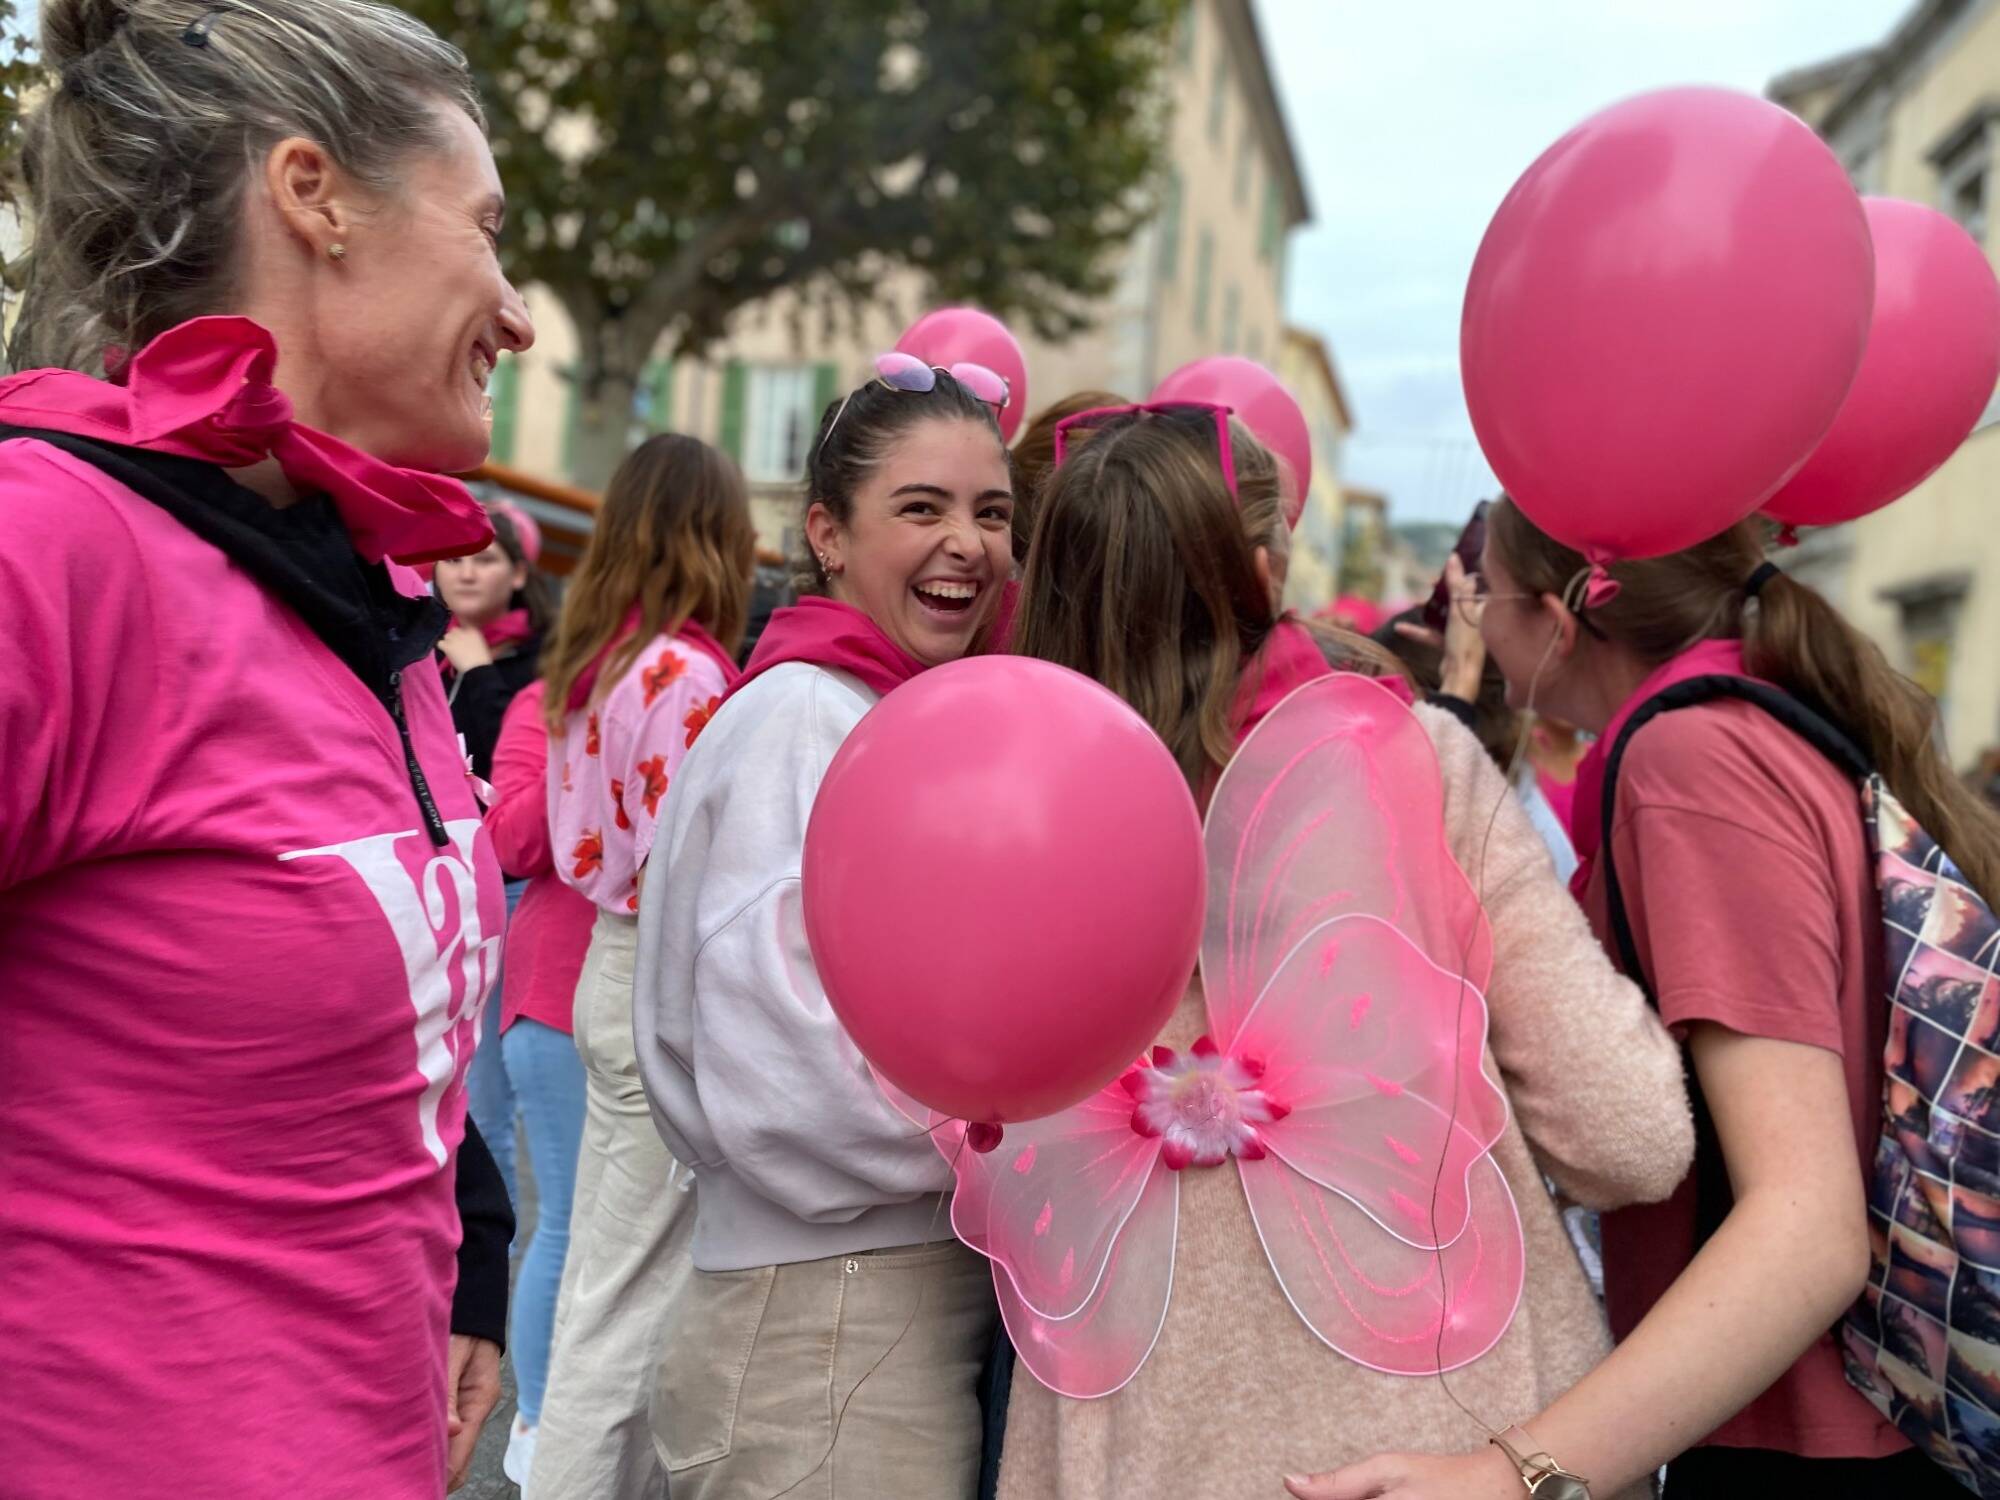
<point x="753" y="1082"/>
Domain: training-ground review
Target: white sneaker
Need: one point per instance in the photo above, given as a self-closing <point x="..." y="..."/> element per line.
<point x="520" y="1455"/>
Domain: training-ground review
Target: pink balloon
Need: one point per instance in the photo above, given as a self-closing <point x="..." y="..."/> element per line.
<point x="1664" y="318"/>
<point x="952" y="334"/>
<point x="1933" y="356"/>
<point x="1003" y="887"/>
<point x="1262" y="404"/>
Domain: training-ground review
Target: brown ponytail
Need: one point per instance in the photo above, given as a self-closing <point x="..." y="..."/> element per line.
<point x="1791" y="637"/>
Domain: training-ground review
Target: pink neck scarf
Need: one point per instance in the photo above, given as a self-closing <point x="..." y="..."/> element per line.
<point x="203" y="390"/>
<point x="828" y="633"/>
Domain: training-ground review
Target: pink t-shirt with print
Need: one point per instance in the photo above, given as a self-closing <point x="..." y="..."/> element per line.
<point x="239" y="987"/>
<point x="609" y="773"/>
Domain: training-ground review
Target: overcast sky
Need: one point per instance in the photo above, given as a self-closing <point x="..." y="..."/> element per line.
<point x="1413" y="120"/>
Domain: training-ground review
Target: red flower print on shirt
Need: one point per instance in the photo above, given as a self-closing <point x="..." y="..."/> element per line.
<point x="698" y="717"/>
<point x="632" y="903"/>
<point x="654" y="773"/>
<point x="592" y="745"/>
<point x="588" y="854"/>
<point x="661" y="674"/>
<point x="618" y="804"/>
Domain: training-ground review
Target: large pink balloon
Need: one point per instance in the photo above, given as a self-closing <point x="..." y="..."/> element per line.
<point x="1933" y="356"/>
<point x="952" y="334"/>
<point x="1003" y="887"/>
<point x="1664" y="318"/>
<point x="1262" y="404"/>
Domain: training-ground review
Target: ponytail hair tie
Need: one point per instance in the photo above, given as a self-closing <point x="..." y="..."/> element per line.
<point x="1764" y="573"/>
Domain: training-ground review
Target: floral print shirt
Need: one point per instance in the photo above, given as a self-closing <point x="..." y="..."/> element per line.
<point x="609" y="773"/>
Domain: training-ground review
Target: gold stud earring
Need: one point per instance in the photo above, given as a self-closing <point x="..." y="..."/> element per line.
<point x="336" y="251"/>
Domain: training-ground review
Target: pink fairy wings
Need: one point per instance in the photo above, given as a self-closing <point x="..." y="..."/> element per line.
<point x="1344" y="1072"/>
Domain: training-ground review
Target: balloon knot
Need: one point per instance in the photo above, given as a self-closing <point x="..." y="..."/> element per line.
<point x="1600" y="589"/>
<point x="1788" y="535"/>
<point x="983" y="1138"/>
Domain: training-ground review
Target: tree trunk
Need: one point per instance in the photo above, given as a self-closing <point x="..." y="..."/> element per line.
<point x="611" y="352"/>
<point x="603" y="429"/>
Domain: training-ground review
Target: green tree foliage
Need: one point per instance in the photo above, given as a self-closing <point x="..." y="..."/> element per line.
<point x="669" y="161"/>
<point x="19" y="76"/>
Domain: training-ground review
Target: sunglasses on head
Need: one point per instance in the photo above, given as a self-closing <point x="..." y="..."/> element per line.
<point x="905" y="372"/>
<point x="1103" y="418"/>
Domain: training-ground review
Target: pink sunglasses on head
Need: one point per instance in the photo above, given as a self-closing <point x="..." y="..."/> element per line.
<point x="1101" y="417"/>
<point x="905" y="372"/>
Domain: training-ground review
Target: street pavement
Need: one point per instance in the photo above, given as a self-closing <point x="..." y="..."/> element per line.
<point x="487" y="1482"/>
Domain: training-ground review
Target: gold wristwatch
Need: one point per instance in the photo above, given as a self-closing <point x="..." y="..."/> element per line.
<point x="1545" y="1478"/>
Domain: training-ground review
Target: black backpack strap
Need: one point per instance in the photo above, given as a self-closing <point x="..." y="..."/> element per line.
<point x="1713" y="1197"/>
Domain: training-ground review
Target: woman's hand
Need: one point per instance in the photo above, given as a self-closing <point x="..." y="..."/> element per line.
<point x="1463" y="648"/>
<point x="465" y="648"/>
<point x="471" y="1391"/>
<point x="1410" y="1476"/>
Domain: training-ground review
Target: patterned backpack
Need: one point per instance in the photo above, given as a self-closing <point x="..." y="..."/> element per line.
<point x="1923" y="1342"/>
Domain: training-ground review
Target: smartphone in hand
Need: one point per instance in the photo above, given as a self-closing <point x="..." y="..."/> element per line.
<point x="1470" y="545"/>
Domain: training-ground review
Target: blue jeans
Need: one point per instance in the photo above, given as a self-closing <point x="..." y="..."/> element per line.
<point x="489" y="1097"/>
<point x="548" y="1080"/>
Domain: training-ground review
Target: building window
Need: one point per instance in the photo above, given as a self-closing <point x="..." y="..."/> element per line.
<point x="1271" y="231"/>
<point x="1170" y="225"/>
<point x="1929" y="613"/>
<point x="1232" y="318"/>
<point x="1218" y="96"/>
<point x="1963" y="160"/>
<point x="1204" y="273"/>
<point x="779" y="419"/>
<point x="1245" y="162"/>
<point x="1187" y="38"/>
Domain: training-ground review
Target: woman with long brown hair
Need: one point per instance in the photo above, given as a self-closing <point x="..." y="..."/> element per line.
<point x="644" y="650"/>
<point x="1748" y="889"/>
<point x="1149" y="574"/>
<point x="829" y="1335"/>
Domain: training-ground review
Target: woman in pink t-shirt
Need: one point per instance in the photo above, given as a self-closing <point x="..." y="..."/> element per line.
<point x="642" y="656"/>
<point x="248" y="912"/>
<point x="1749" y="887"/>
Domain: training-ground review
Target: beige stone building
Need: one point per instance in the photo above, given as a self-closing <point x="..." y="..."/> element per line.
<point x="1918" y="117"/>
<point x="1206" y="276"/>
<point x="1306" y="366"/>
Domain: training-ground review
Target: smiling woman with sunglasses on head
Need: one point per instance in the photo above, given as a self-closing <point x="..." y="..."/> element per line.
<point x="816" y="1310"/>
<point x="1151" y="571"/>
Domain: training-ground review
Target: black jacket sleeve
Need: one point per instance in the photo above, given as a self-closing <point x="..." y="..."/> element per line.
<point x="479" y="700"/>
<point x="486" y="1229"/>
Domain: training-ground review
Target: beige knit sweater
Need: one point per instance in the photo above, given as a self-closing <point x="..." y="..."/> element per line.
<point x="1238" y="1392"/>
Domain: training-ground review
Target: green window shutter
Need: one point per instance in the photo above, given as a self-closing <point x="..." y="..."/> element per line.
<point x="1204" y="275"/>
<point x="504" y="391"/>
<point x="1273" y="226"/>
<point x="1170" y="226"/>
<point x="1218" y="96"/>
<point x="729" y="437"/>
<point x="659" y="395"/>
<point x="572" y="416"/>
<point x="826" y="385"/>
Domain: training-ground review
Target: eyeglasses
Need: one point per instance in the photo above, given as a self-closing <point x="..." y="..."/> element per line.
<point x="1475" y="594"/>
<point x="905" y="372"/>
<point x="1099" y="418"/>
